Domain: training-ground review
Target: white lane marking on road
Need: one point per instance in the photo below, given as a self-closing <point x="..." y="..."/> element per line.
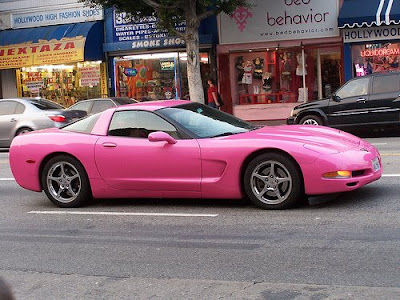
<point x="378" y="144"/>
<point x="7" y="179"/>
<point x="391" y="175"/>
<point x="106" y="213"/>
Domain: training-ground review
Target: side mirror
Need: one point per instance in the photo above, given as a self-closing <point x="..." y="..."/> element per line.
<point x="160" y="136"/>
<point x="335" y="98"/>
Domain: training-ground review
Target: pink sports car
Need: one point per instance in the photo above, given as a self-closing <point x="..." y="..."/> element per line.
<point x="183" y="149"/>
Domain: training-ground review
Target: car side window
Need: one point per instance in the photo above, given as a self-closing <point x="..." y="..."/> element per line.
<point x="385" y="84"/>
<point x="139" y="124"/>
<point x="85" y="106"/>
<point x="8" y="107"/>
<point x="100" y="105"/>
<point x="358" y="87"/>
<point x="20" y="108"/>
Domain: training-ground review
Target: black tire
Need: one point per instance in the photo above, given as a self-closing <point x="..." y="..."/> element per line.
<point x="23" y="130"/>
<point x="279" y="189"/>
<point x="311" y="120"/>
<point x="65" y="182"/>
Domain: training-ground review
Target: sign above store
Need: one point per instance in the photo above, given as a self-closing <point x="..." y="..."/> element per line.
<point x="56" y="16"/>
<point x="143" y="32"/>
<point x="43" y="53"/>
<point x="275" y="20"/>
<point x="369" y="34"/>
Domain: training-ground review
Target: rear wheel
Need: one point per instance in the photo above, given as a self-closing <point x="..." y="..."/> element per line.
<point x="23" y="130"/>
<point x="65" y="182"/>
<point x="311" y="120"/>
<point x="272" y="181"/>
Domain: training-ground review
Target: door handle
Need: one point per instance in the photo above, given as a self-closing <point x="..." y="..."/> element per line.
<point x="362" y="100"/>
<point x="109" y="145"/>
<point x="13" y="120"/>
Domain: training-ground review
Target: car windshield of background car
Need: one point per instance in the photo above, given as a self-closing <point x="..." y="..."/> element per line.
<point x="204" y="121"/>
<point x="45" y="104"/>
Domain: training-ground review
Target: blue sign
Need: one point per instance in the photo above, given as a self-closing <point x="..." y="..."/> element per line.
<point x="126" y="28"/>
<point x="130" y="72"/>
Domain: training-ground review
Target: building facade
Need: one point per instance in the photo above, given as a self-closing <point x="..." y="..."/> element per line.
<point x="277" y="54"/>
<point x="52" y="50"/>
<point x="371" y="36"/>
<point x="146" y="62"/>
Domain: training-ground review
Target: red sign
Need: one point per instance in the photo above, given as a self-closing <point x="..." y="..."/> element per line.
<point x="380" y="52"/>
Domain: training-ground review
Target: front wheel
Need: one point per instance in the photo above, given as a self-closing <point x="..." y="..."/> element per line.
<point x="65" y="182"/>
<point x="272" y="181"/>
<point x="311" y="120"/>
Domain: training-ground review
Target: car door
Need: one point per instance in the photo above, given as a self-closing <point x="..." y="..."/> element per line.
<point x="350" y="103"/>
<point x="384" y="101"/>
<point x="8" y="121"/>
<point x="127" y="160"/>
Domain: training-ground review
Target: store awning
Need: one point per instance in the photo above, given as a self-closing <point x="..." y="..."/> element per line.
<point x="40" y="44"/>
<point x="359" y="13"/>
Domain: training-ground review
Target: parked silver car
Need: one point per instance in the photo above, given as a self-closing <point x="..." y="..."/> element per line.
<point x="94" y="106"/>
<point x="20" y="115"/>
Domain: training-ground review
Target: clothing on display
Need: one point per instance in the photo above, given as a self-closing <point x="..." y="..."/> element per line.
<point x="299" y="69"/>
<point x="240" y="67"/>
<point x="267" y="82"/>
<point x="247" y="75"/>
<point x="258" y="68"/>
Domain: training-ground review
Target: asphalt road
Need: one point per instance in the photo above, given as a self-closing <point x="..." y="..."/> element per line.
<point x="343" y="247"/>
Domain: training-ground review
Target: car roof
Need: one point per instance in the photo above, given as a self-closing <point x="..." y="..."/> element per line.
<point x="153" y="105"/>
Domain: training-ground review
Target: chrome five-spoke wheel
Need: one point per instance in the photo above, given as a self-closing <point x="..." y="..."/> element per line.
<point x="273" y="181"/>
<point x="65" y="182"/>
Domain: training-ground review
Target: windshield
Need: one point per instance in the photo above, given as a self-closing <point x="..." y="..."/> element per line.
<point x="44" y="104"/>
<point x="204" y="121"/>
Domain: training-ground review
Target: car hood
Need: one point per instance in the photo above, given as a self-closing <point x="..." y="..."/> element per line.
<point x="318" y="137"/>
<point x="316" y="103"/>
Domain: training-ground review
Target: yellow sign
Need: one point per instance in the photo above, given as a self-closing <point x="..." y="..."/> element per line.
<point x="103" y="80"/>
<point x="62" y="51"/>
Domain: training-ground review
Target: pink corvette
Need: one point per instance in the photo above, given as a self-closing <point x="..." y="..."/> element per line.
<point x="183" y="149"/>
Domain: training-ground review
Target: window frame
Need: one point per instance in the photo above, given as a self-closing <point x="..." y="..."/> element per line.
<point x="180" y="135"/>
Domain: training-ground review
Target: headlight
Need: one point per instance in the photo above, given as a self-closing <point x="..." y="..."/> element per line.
<point x="292" y="113"/>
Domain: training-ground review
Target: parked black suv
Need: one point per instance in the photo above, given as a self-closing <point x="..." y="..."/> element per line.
<point x="369" y="100"/>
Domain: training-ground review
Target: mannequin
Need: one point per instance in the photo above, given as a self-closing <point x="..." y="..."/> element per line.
<point x="247" y="77"/>
<point x="299" y="69"/>
<point x="258" y="68"/>
<point x="239" y="64"/>
<point x="267" y="82"/>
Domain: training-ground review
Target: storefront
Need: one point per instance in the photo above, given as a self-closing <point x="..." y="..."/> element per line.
<point x="63" y="63"/>
<point x="146" y="62"/>
<point x="278" y="54"/>
<point x="371" y="36"/>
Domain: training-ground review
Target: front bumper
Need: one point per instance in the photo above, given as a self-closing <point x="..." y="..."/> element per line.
<point x="358" y="160"/>
<point x="291" y="121"/>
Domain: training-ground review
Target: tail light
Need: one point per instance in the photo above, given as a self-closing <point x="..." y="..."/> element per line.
<point x="58" y="118"/>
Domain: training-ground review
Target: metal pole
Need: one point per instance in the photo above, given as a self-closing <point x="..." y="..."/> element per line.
<point x="304" y="74"/>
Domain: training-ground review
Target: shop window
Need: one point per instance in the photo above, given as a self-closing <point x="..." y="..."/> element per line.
<point x="385" y="84"/>
<point x="63" y="84"/>
<point x="139" y="124"/>
<point x="284" y="75"/>
<point x="155" y="76"/>
<point x="377" y="57"/>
